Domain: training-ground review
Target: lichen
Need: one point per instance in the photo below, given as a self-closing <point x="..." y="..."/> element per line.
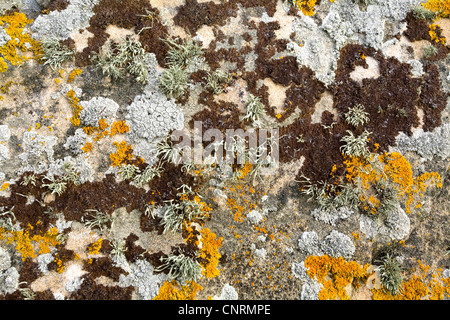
<point x="441" y="7"/>
<point x="25" y="244"/>
<point x="341" y="272"/>
<point x="173" y="291"/>
<point x="123" y="154"/>
<point x="210" y="252"/>
<point x="425" y="285"/>
<point x="20" y="41"/>
<point x="76" y="107"/>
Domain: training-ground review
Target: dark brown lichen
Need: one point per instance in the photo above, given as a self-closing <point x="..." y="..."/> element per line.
<point x="138" y="15"/>
<point x="91" y="290"/>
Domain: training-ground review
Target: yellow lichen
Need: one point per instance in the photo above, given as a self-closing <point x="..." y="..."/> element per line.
<point x="441" y="7"/>
<point x="124" y="152"/>
<point x="119" y="127"/>
<point x="60" y="266"/>
<point x="94" y="248"/>
<point x="434" y="35"/>
<point x="87" y="147"/>
<point x="173" y="291"/>
<point x="388" y="167"/>
<point x="29" y="246"/>
<point x="210" y="253"/>
<point x="20" y="41"/>
<point x="422" y="286"/>
<point x="74" y="74"/>
<point x="306" y="6"/>
<point x="246" y="169"/>
<point x="335" y="274"/>
<point x="76" y="108"/>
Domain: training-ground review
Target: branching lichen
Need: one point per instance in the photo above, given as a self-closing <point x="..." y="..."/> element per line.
<point x="181" y="55"/>
<point x="357" y="116"/>
<point x="181" y="267"/>
<point x="55" y="53"/>
<point x="390" y="274"/>
<point x="173" y="82"/>
<point x="356" y="146"/>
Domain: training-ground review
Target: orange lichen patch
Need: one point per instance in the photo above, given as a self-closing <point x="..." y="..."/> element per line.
<point x="94" y="248"/>
<point x="246" y="169"/>
<point x="76" y="108"/>
<point x="236" y="209"/>
<point x="102" y="124"/>
<point x="119" y="127"/>
<point x="75" y="73"/>
<point x="393" y="168"/>
<point x="434" y="35"/>
<point x="100" y="130"/>
<point x="89" y="130"/>
<point x="422" y="286"/>
<point x="357" y="168"/>
<point x="204" y="207"/>
<point x="420" y="185"/>
<point x="173" y="291"/>
<point x="307" y="6"/>
<point x="239" y="196"/>
<point x="29" y="246"/>
<point x="20" y="41"/>
<point x="5" y="186"/>
<point x="399" y="170"/>
<point x="191" y="237"/>
<point x="124" y="152"/>
<point x="209" y="253"/>
<point x="87" y="147"/>
<point x="59" y="265"/>
<point x="335" y="274"/>
<point x="441" y="7"/>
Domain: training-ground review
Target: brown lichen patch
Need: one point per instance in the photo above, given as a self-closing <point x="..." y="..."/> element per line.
<point x="104" y="196"/>
<point x="29" y="271"/>
<point x="136" y="15"/>
<point x="58" y="5"/>
<point x="91" y="290"/>
<point x="219" y="115"/>
<point x="318" y="143"/>
<point x="214" y="57"/>
<point x="133" y="251"/>
<point x="391" y="99"/>
<point x="26" y="201"/>
<point x="432" y="100"/>
<point x="417" y="29"/>
<point x="193" y="15"/>
<point x="104" y="266"/>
